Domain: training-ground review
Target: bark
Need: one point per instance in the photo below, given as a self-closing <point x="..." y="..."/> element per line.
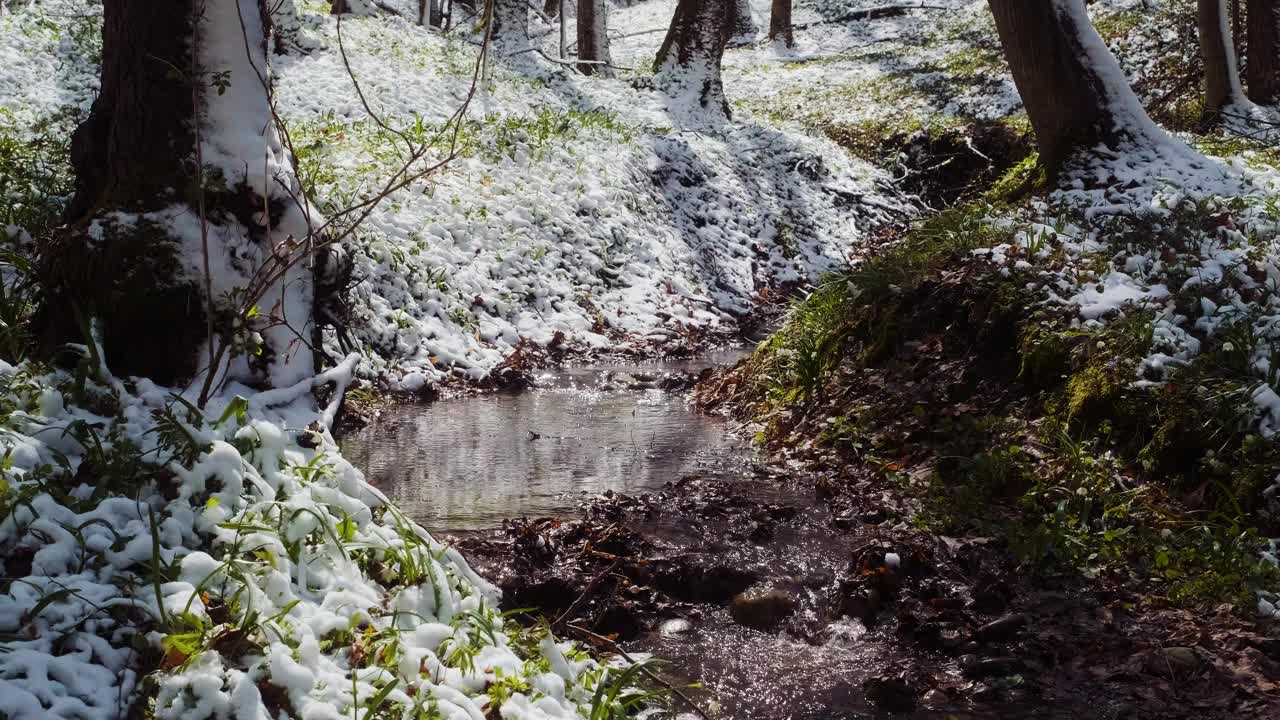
<point x="1264" y="51"/>
<point x="132" y="154"/>
<point x="1221" y="80"/>
<point x="593" y="40"/>
<point x="339" y="7"/>
<point x="1064" y="95"/>
<point x="744" y="25"/>
<point x="689" y="59"/>
<point x="780" y="22"/>
<point x="551" y="8"/>
<point x="435" y="13"/>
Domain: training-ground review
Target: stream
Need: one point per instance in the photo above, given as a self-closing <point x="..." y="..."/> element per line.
<point x="604" y="445"/>
<point x="465" y="464"/>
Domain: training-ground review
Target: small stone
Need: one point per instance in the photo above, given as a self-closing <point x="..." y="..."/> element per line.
<point x="762" y="610"/>
<point x="1178" y="662"/>
<point x="977" y="667"/>
<point x="936" y="698"/>
<point x="890" y="693"/>
<point x="1001" y="629"/>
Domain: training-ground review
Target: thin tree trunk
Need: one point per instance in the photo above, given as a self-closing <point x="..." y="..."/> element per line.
<point x="1237" y="30"/>
<point x="1221" y="80"/>
<point x="593" y="40"/>
<point x="551" y="8"/>
<point x="1264" y="51"/>
<point x="780" y="22"/>
<point x="1062" y="90"/>
<point x="564" y="30"/>
<point x="689" y="59"/>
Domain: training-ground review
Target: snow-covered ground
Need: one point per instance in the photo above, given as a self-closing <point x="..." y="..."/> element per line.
<point x="581" y="205"/>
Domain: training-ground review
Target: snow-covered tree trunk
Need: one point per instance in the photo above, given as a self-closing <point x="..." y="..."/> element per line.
<point x="688" y="64"/>
<point x="780" y="22"/>
<point x="1263" y="30"/>
<point x="1074" y="92"/>
<point x="744" y="24"/>
<point x="183" y="130"/>
<point x="511" y="24"/>
<point x="286" y="28"/>
<point x="593" y="40"/>
<point x="352" y="7"/>
<point x="1221" y="78"/>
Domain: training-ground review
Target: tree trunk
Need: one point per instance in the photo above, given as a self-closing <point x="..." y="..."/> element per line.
<point x="1073" y="89"/>
<point x="179" y="160"/>
<point x="689" y="59"/>
<point x="511" y="23"/>
<point x="551" y="8"/>
<point x="1264" y="51"/>
<point x="593" y="40"/>
<point x="132" y="154"/>
<point x="1221" y="80"/>
<point x="780" y="22"/>
<point x="744" y="25"/>
<point x="339" y="7"/>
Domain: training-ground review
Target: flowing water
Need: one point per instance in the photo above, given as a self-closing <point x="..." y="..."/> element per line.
<point x="468" y="463"/>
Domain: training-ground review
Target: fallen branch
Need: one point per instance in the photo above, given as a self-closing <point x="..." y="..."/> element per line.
<point x="872" y="13"/>
<point x="648" y="673"/>
<point x="387" y="8"/>
<point x="585" y="592"/>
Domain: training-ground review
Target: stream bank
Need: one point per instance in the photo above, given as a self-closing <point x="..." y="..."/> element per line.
<point x="797" y="590"/>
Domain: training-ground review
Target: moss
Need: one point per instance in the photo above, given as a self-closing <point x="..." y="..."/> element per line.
<point x="1117" y="25"/>
<point x="974" y="63"/>
<point x="1046" y="356"/>
<point x="1027" y="176"/>
<point x="132" y="282"/>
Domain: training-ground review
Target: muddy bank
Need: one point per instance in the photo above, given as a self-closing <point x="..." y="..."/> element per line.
<point x="789" y="610"/>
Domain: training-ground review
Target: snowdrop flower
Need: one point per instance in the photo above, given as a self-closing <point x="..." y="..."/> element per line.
<point x="1228" y="347"/>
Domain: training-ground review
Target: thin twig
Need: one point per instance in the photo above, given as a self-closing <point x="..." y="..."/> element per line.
<point x="197" y="86"/>
<point x="585" y="592"/>
<point x="648" y="673"/>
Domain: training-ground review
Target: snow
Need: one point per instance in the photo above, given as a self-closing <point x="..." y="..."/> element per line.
<point x="241" y="145"/>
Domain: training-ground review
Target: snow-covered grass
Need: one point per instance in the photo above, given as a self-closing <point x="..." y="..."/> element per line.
<point x="580" y="206"/>
<point x="229" y="562"/>
<point x="236" y="551"/>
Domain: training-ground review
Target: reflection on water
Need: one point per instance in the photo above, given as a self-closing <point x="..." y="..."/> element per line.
<point x="468" y="463"/>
